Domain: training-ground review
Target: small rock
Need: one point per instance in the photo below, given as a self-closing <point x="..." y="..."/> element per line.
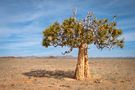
<point x="12" y="84"/>
<point x="122" y="81"/>
<point x="65" y="86"/>
<point x="97" y="81"/>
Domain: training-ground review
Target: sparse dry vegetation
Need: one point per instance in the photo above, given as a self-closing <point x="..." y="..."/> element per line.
<point x="57" y="74"/>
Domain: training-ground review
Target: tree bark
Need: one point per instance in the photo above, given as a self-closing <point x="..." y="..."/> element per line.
<point x="82" y="67"/>
<point x="86" y="63"/>
<point x="79" y="72"/>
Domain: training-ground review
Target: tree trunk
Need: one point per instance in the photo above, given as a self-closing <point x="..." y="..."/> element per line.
<point x="82" y="68"/>
<point x="86" y="63"/>
<point x="79" y="72"/>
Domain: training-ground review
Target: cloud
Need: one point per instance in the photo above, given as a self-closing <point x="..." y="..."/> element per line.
<point x="22" y="23"/>
<point x="129" y="36"/>
<point x="13" y="13"/>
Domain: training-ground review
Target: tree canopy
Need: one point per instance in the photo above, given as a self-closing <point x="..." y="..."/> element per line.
<point x="72" y="32"/>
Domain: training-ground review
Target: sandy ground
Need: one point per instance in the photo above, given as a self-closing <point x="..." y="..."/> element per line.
<point x="57" y="74"/>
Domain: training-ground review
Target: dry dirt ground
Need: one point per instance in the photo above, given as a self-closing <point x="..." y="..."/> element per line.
<point x="57" y="74"/>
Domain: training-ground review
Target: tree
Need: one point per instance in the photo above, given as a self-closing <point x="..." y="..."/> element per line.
<point x="75" y="33"/>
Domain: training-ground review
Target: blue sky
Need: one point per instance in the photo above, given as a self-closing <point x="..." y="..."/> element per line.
<point x="22" y="23"/>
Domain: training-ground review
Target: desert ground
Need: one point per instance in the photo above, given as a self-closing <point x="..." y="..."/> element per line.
<point x="57" y="74"/>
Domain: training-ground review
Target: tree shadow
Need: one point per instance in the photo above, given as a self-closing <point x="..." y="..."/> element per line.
<point x="57" y="74"/>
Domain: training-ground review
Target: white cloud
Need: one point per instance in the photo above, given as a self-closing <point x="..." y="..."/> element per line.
<point x="26" y="39"/>
<point x="129" y="36"/>
<point x="40" y="9"/>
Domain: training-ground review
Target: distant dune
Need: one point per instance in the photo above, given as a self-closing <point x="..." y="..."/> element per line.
<point x="56" y="73"/>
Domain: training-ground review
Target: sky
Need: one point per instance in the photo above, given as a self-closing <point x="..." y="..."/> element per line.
<point x="23" y="21"/>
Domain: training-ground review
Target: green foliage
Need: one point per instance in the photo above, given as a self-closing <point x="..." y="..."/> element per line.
<point x="73" y="32"/>
<point x="108" y="35"/>
<point x="51" y="35"/>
